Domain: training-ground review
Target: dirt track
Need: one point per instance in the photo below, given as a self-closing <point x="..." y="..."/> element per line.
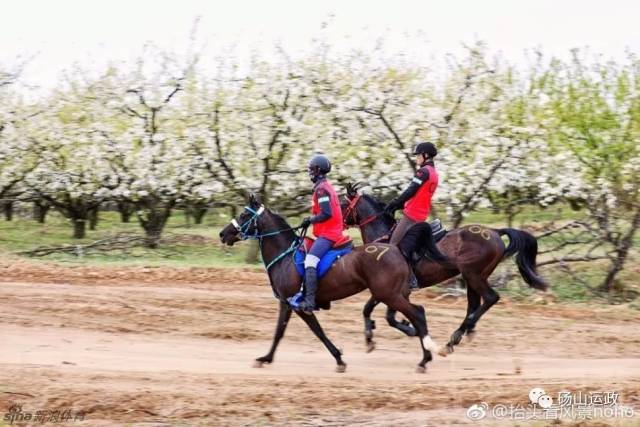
<point x="175" y="347"/>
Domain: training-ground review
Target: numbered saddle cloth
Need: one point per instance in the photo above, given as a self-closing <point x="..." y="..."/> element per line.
<point x="327" y="260"/>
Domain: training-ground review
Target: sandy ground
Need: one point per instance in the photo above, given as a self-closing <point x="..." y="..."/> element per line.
<point x="169" y="347"/>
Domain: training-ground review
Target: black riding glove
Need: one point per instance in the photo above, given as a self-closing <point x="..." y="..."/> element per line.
<point x="305" y="223"/>
<point x="391" y="208"/>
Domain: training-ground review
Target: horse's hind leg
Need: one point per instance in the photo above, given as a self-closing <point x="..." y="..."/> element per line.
<point x="489" y="298"/>
<point x="416" y="315"/>
<point x="480" y="288"/>
<point x="473" y="302"/>
<point x="314" y="325"/>
<point x="369" y="324"/>
<point x="283" y="319"/>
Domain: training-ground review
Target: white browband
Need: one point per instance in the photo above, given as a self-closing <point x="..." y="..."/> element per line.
<point x="258" y="213"/>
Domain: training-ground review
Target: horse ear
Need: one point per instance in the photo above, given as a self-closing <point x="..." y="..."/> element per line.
<point x="351" y="189"/>
<point x="254" y="200"/>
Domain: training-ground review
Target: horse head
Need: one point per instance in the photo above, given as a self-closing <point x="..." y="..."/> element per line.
<point x="246" y="224"/>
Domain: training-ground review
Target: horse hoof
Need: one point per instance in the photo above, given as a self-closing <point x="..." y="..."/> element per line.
<point x="421" y="369"/>
<point x="260" y="363"/>
<point x="341" y="368"/>
<point x="470" y="336"/>
<point x="446" y="350"/>
<point x="371" y="346"/>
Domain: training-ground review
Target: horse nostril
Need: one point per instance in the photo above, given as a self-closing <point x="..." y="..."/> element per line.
<point x="220" y="234"/>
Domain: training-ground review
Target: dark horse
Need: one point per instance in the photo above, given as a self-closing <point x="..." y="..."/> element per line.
<point x="379" y="267"/>
<point x="473" y="251"/>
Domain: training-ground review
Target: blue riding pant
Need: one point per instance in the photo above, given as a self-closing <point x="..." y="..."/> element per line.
<point x="319" y="248"/>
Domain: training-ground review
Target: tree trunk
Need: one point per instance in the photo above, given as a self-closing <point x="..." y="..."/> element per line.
<point x="7" y="207"/>
<point x="198" y="215"/>
<point x="457" y="220"/>
<point x="153" y="233"/>
<point x="79" y="228"/>
<point x="126" y="210"/>
<point x="93" y="218"/>
<point x="153" y="218"/>
<point x="510" y="215"/>
<point x="252" y="253"/>
<point x="622" y="252"/>
<point x="40" y="210"/>
<point x="154" y="226"/>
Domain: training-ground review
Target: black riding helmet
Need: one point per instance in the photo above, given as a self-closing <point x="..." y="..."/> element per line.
<point x="426" y="148"/>
<point x="319" y="165"/>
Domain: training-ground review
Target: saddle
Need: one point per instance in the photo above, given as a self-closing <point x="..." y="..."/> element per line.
<point x="437" y="230"/>
<point x="340" y="248"/>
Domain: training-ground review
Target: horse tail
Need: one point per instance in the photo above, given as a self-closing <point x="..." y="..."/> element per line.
<point x="525" y="246"/>
<point x="419" y="240"/>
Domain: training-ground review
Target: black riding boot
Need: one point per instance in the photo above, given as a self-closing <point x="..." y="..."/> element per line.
<point x="310" y="287"/>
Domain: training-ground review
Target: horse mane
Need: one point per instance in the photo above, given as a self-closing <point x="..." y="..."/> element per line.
<point x="280" y="222"/>
<point x="379" y="207"/>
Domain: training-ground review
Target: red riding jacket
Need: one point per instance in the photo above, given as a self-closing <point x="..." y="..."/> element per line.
<point x="332" y="228"/>
<point x="417" y="207"/>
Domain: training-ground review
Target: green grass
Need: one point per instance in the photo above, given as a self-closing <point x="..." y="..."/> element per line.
<point x="529" y="215"/>
<point x="25" y="234"/>
<point x="22" y="234"/>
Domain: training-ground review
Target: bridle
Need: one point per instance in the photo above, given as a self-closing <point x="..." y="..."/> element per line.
<point x="350" y="211"/>
<point x="244" y="235"/>
<point x="244" y="227"/>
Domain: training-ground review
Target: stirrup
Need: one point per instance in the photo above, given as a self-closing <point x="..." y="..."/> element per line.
<point x="413" y="282"/>
<point x="296" y="300"/>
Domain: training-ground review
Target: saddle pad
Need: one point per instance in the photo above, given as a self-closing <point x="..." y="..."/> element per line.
<point x="340" y="244"/>
<point x="325" y="263"/>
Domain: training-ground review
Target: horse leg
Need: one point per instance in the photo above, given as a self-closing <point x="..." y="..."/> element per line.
<point x="403" y="326"/>
<point x="311" y="321"/>
<point x="283" y="318"/>
<point x="489" y="298"/>
<point x="369" y="324"/>
<point x="473" y="302"/>
<point x="416" y="315"/>
<point x="479" y="287"/>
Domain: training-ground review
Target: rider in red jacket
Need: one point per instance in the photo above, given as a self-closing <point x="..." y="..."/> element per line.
<point x="327" y="226"/>
<point x="416" y="199"/>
